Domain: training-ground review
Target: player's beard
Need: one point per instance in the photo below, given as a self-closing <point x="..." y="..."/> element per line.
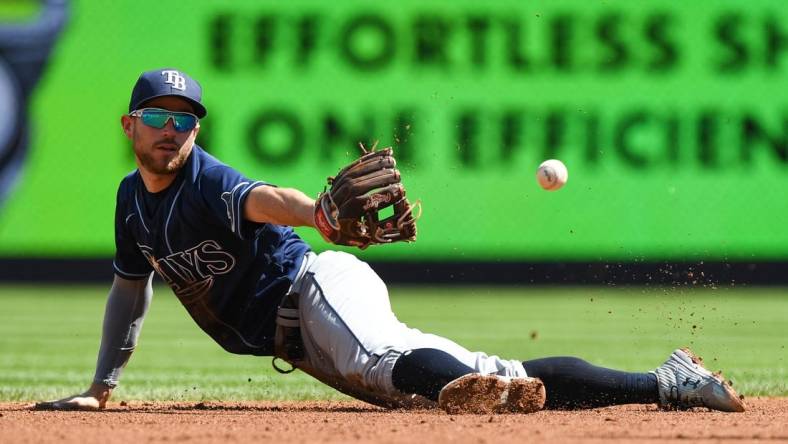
<point x="163" y="166"/>
<point x="156" y="165"/>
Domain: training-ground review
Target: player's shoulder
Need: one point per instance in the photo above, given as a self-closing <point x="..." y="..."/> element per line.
<point x="212" y="169"/>
<point x="128" y="184"/>
<point x="208" y="163"/>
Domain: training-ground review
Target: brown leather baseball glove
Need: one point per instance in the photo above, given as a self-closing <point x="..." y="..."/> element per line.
<point x="346" y="213"/>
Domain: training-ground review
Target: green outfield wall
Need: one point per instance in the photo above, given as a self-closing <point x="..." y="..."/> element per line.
<point x="672" y="118"/>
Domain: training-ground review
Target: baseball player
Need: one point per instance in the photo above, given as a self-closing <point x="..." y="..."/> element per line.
<point x="224" y="244"/>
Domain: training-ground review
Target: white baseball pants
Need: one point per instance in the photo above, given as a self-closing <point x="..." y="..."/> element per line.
<point x="352" y="339"/>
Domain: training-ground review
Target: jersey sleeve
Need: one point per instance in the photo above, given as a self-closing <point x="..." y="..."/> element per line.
<point x="225" y="191"/>
<point x="129" y="261"/>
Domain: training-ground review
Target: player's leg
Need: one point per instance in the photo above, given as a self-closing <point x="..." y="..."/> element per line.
<point x="570" y="383"/>
<point x="394" y="359"/>
<point x="573" y="383"/>
<point x="357" y="345"/>
<point x="353" y="340"/>
<point x="681" y="382"/>
<point x="426" y="371"/>
<point x="458" y="388"/>
<point x="350" y="335"/>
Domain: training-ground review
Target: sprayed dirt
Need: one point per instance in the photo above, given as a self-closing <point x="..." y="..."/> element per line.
<point x="355" y="422"/>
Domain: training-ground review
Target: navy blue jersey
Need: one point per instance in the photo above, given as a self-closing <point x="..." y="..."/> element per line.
<point x="229" y="273"/>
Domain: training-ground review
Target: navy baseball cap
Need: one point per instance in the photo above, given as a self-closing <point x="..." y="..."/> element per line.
<point x="167" y="82"/>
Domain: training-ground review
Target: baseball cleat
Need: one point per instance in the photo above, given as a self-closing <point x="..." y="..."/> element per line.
<point x="684" y="383"/>
<point x="484" y="394"/>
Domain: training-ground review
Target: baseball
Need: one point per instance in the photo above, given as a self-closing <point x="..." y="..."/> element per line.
<point x="552" y="174"/>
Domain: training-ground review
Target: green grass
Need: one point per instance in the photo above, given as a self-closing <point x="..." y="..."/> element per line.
<point x="49" y="337"/>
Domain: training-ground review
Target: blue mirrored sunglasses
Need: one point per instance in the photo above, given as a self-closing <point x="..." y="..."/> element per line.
<point x="157" y="118"/>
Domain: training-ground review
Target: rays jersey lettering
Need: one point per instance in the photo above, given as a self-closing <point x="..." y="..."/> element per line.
<point x="229" y="273"/>
<point x="190" y="273"/>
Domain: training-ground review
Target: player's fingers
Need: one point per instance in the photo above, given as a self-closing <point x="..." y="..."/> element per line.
<point x="75" y="403"/>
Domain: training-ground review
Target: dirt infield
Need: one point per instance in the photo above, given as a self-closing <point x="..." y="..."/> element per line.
<point x="226" y="423"/>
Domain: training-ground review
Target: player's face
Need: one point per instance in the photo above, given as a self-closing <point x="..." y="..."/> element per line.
<point x="161" y="151"/>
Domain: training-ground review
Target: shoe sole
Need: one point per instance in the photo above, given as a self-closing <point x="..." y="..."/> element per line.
<point x="486" y="394"/>
<point x="736" y="400"/>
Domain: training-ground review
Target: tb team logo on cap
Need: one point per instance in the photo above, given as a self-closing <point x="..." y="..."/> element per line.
<point x="175" y="79"/>
<point x="163" y="82"/>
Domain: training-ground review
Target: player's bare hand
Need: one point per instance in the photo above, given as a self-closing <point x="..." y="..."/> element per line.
<point x="95" y="398"/>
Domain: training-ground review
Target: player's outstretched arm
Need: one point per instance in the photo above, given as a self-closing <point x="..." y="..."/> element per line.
<point x="127" y="305"/>
<point x="347" y="213"/>
<point x="280" y="206"/>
